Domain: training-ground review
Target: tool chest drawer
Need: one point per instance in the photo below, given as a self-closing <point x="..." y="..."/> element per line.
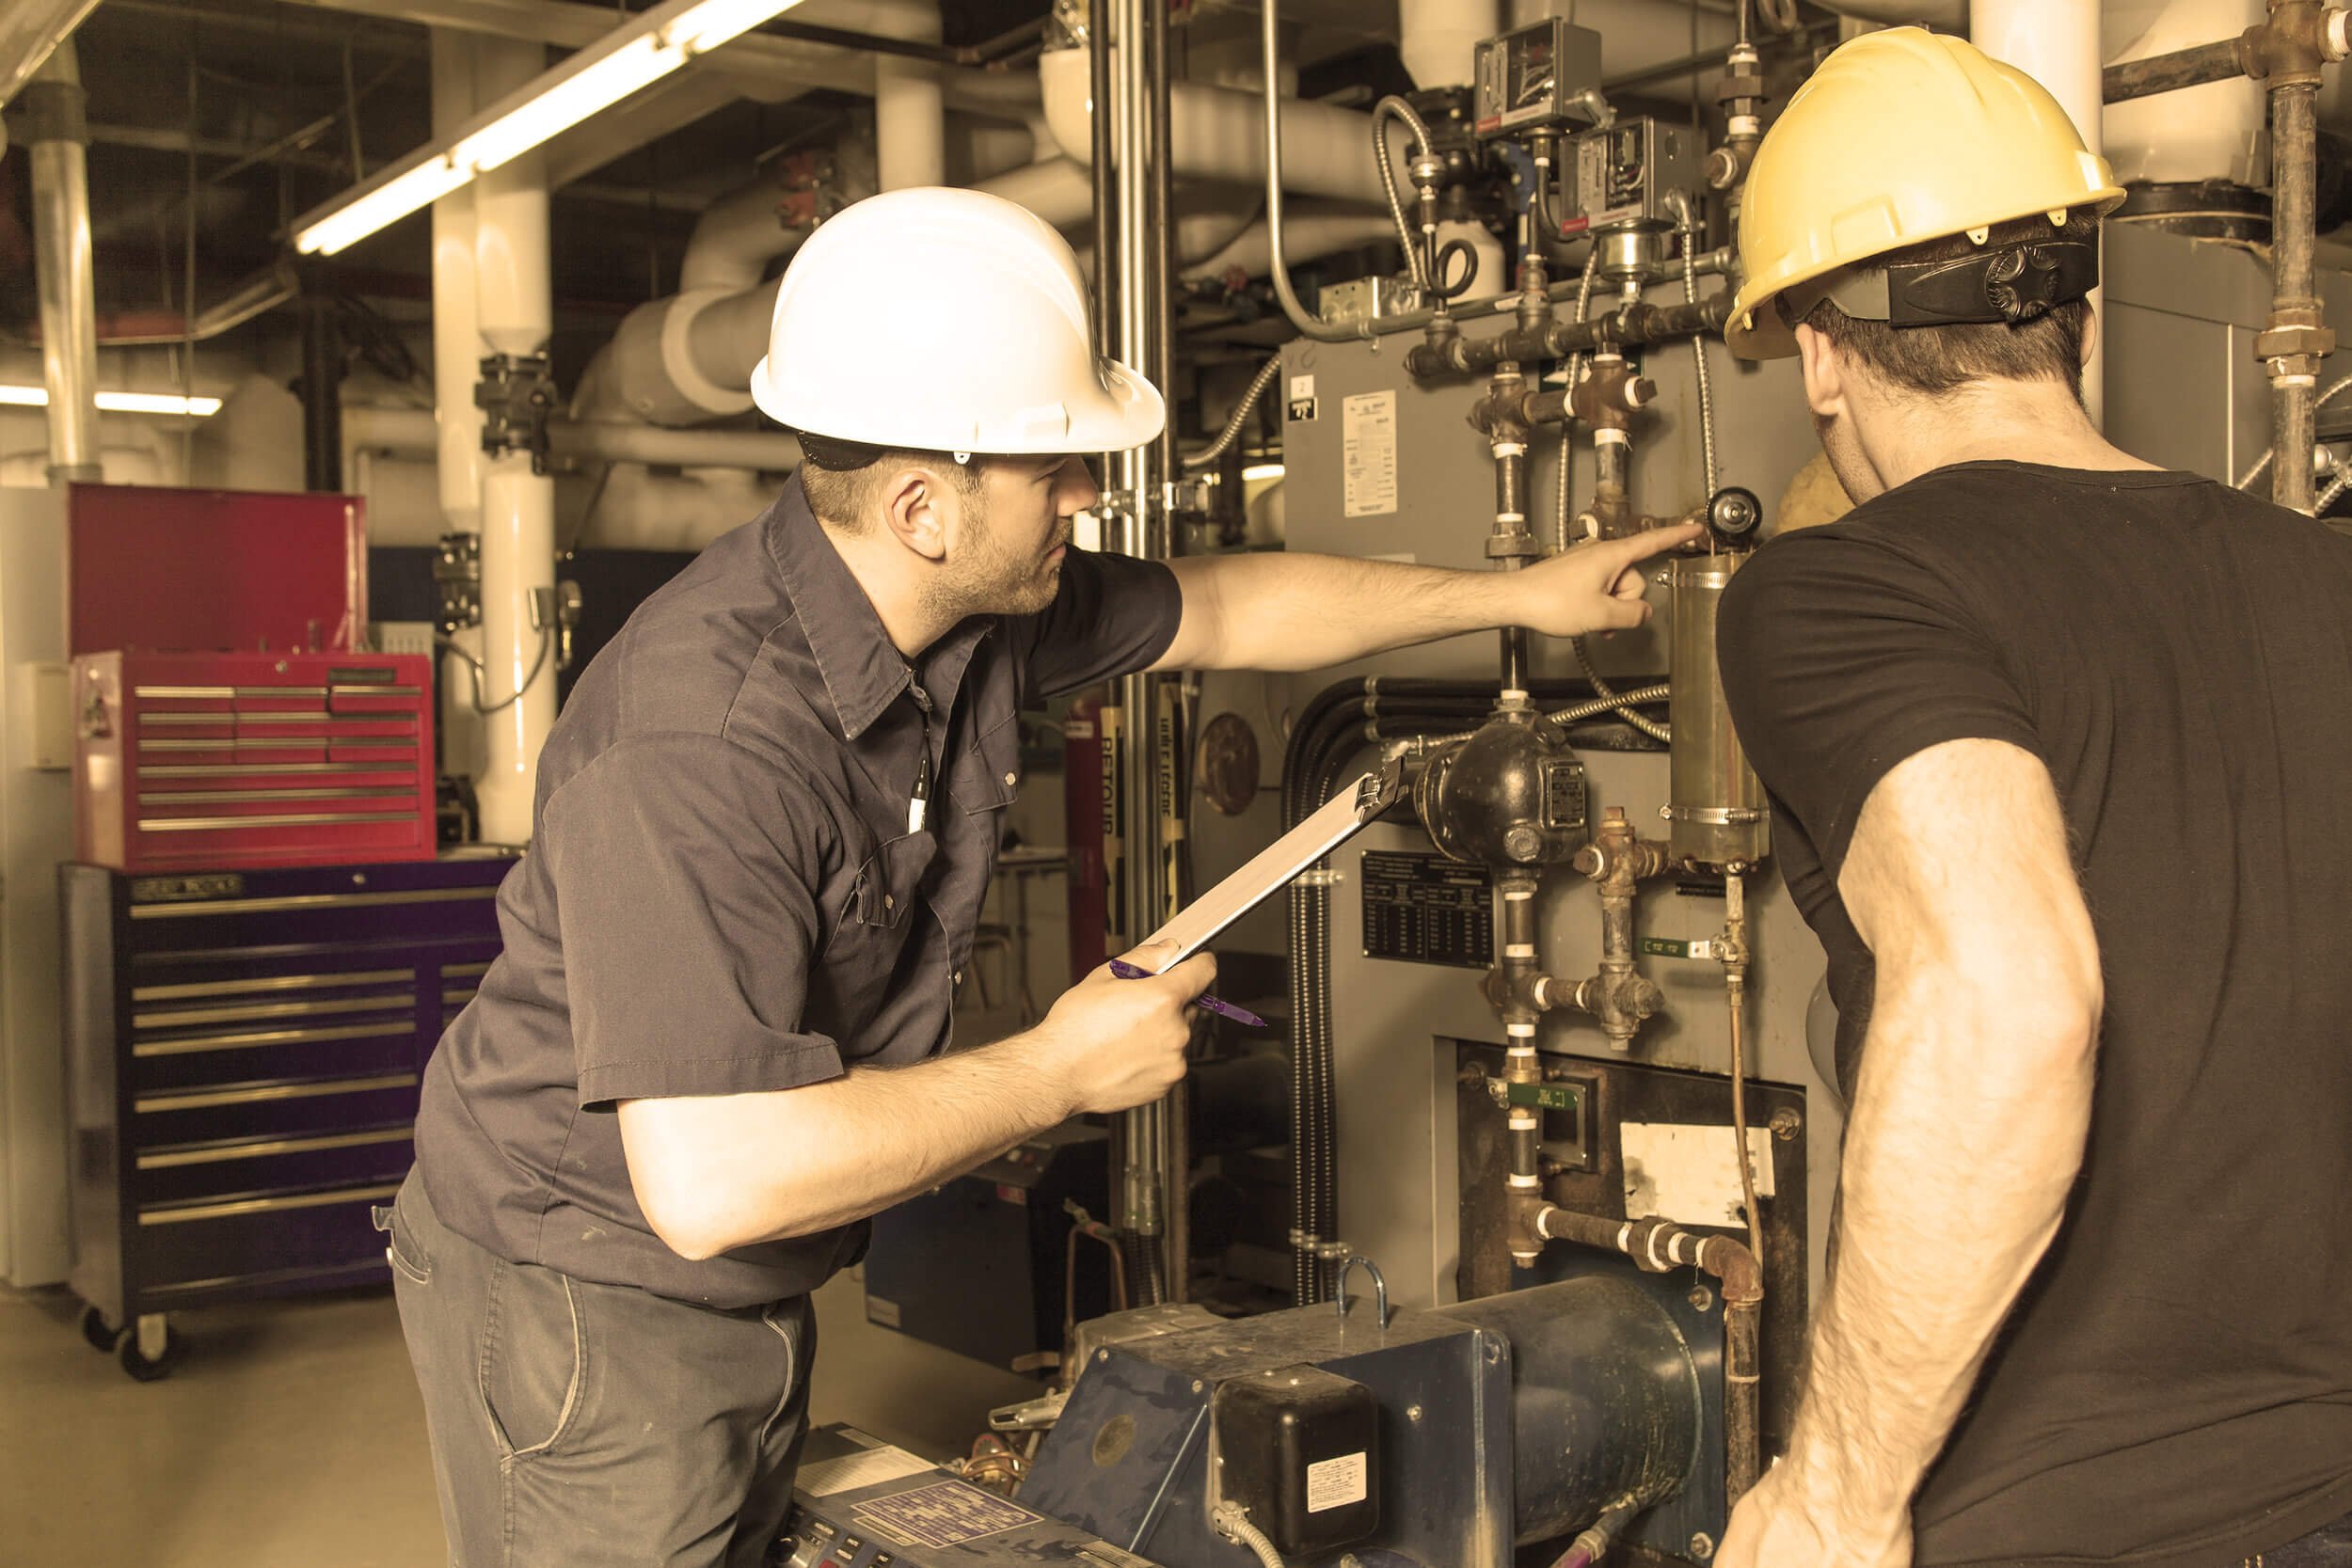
<point x="245" y="1049"/>
<point x="247" y="759"/>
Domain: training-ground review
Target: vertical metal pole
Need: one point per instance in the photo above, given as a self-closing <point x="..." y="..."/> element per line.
<point x="60" y="133"/>
<point x="322" y="382"/>
<point x="2293" y="294"/>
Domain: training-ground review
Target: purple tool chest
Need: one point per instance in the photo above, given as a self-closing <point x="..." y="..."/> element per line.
<point x="245" y="1049"/>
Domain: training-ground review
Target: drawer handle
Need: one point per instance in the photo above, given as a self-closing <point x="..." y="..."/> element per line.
<point x="185" y="1212"/>
<point x="248" y="1040"/>
<point x="273" y="819"/>
<point x="234" y="1011"/>
<point x="257" y="1148"/>
<point x="262" y="1093"/>
<point x="272" y="982"/>
<point x="308" y="902"/>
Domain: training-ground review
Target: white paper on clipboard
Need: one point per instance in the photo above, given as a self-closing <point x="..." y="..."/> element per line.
<point x="1272" y="869"/>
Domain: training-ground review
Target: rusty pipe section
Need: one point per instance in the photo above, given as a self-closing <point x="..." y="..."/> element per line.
<point x="1617" y="997"/>
<point x="1633" y="323"/>
<point x="2295" y="338"/>
<point x="2293" y="35"/>
<point x="1659" y="1246"/>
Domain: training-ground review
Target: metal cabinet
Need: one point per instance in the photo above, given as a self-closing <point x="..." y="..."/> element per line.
<point x="244" y="1050"/>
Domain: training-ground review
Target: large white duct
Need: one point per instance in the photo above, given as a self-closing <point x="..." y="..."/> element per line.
<point x="516" y="314"/>
<point x="1308" y="230"/>
<point x="2211" y="132"/>
<point x="2056" y="43"/>
<point x="456" y="338"/>
<point x="910" y="112"/>
<point x="1439" y="38"/>
<point x="1218" y="133"/>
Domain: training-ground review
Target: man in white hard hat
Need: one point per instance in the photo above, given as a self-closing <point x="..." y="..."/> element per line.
<point x="717" y="1040"/>
<point x="2059" y="743"/>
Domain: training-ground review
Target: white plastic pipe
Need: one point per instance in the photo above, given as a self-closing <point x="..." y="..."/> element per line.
<point x="1438" y="37"/>
<point x="516" y="314"/>
<point x="455" y="336"/>
<point x="1216" y="134"/>
<point x="2056" y="43"/>
<point x="1307" y="233"/>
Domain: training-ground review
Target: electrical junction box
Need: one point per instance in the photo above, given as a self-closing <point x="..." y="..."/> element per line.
<point x="1298" y="1449"/>
<point x="1362" y="299"/>
<point x="1530" y="79"/>
<point x="1619" y="177"/>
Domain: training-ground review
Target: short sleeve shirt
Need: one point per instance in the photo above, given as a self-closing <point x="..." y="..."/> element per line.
<point x="2173" y="1388"/>
<point x="723" y="895"/>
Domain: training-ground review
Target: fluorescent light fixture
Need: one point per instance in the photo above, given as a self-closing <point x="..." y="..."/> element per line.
<point x="119" y="402"/>
<point x="1262" y="470"/>
<point x="615" y="65"/>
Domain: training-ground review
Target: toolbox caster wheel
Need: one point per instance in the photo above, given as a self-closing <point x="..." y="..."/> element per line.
<point x="96" y="1330"/>
<point x="146" y="1369"/>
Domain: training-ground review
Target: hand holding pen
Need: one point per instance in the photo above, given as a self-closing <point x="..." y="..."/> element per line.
<point x="1126" y="971"/>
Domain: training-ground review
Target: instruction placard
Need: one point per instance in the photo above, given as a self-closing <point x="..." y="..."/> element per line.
<point x="1368" y="453"/>
<point x="1336" y="1482"/>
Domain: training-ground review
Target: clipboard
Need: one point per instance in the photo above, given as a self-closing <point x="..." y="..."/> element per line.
<point x="1271" y="869"/>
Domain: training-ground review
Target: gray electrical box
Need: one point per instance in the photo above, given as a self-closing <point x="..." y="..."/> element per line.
<point x="1530" y="79"/>
<point x="1618" y="177"/>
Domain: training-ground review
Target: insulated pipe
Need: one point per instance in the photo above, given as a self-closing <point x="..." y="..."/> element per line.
<point x="1437" y="37"/>
<point x="735" y="239"/>
<point x="517" y="315"/>
<point x="63" y="272"/>
<point x="456" y="335"/>
<point x="2056" y="43"/>
<point x="1215" y="134"/>
<point x="910" y="107"/>
<point x="372" y="428"/>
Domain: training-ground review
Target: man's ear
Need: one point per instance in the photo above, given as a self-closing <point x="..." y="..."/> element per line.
<point x="913" y="510"/>
<point x="1826" y="380"/>
<point x="2090" y="336"/>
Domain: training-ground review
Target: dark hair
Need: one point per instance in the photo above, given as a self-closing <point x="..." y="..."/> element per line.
<point x="843" y="479"/>
<point x="1937" y="361"/>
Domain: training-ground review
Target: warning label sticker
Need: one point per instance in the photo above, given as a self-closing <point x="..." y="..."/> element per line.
<point x="850" y="1471"/>
<point x="948" y="1514"/>
<point x="1368" y="453"/>
<point x="1336" y="1482"/>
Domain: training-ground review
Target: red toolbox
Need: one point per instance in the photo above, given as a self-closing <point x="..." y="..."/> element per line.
<point x="232" y="760"/>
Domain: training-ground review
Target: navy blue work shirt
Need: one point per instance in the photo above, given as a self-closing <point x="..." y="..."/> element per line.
<point x="723" y="896"/>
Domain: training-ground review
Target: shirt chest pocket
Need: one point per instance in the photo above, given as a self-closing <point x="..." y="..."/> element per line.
<point x="988" y="774"/>
<point x="881" y="892"/>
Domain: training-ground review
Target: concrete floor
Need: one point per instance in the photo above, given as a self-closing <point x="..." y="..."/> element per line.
<point x="291" y="1436"/>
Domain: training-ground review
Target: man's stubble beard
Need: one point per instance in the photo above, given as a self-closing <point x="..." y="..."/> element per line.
<point x="989" y="580"/>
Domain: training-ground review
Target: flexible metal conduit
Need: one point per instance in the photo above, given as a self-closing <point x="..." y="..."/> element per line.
<point x="1207" y="457"/>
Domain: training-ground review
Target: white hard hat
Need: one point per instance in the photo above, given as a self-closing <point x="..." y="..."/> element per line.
<point x="945" y="321"/>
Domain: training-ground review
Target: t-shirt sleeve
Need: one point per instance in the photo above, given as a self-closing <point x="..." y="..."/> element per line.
<point x="1112" y="616"/>
<point x="686" y="874"/>
<point x="1842" y="657"/>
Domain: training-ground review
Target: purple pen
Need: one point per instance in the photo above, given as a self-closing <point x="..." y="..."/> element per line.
<point x="1126" y="971"/>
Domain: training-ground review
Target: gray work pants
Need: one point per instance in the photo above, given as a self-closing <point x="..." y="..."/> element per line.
<point x="578" y="1425"/>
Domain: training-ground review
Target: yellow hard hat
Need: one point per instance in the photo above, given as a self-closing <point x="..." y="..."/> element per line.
<point x="1901" y="137"/>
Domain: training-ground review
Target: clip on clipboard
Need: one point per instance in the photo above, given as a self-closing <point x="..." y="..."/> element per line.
<point x="1272" y="869"/>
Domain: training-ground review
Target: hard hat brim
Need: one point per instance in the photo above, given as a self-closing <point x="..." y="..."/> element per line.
<point x="1128" y="411"/>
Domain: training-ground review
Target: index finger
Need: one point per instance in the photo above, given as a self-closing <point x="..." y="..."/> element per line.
<point x="1640" y="546"/>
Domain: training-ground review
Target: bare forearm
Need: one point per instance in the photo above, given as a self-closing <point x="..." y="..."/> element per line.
<point x="728" y="1171"/>
<point x="1285" y="611"/>
<point x="1966" y="1134"/>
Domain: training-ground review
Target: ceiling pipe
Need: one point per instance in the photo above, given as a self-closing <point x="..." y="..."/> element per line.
<point x="59" y="137"/>
<point x="910" y="108"/>
<point x="376" y="428"/>
<point x="1216" y="133"/>
<point x="1439" y="38"/>
<point x="456" y="353"/>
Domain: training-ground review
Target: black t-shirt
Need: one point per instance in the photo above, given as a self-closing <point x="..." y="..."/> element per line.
<point x="2175" y="1384"/>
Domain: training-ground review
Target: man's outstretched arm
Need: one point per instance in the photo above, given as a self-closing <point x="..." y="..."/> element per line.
<point x="1283" y="611"/>
<point x="1966" y="1137"/>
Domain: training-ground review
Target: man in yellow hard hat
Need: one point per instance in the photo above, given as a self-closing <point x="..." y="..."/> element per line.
<point x="2059" y="743"/>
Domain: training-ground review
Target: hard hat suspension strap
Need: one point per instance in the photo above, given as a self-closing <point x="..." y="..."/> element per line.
<point x="2011" y="283"/>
